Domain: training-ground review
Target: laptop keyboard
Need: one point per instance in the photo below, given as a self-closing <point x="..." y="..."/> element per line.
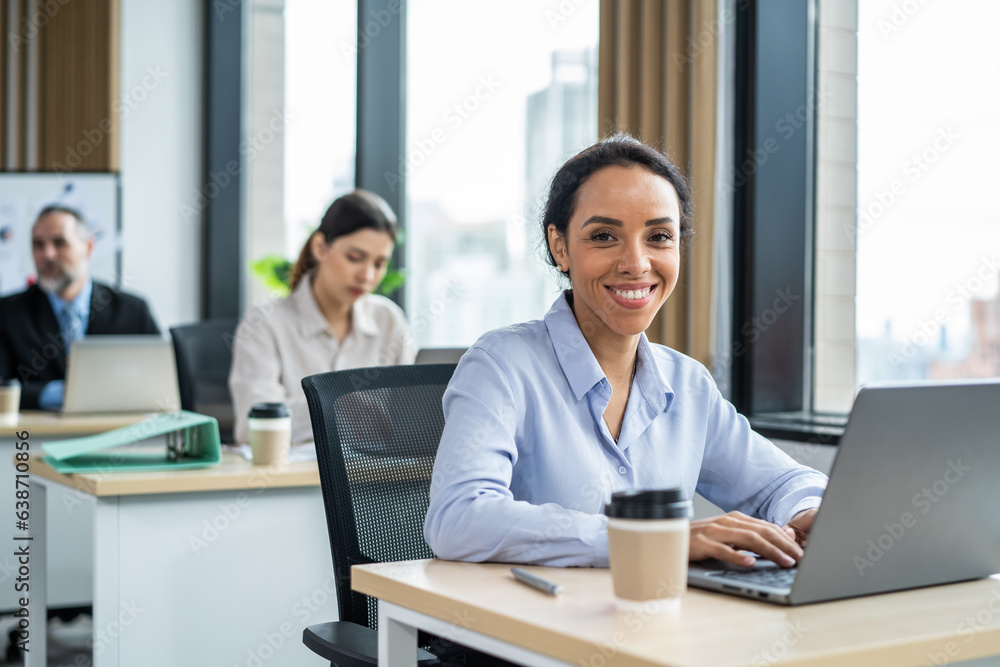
<point x="775" y="578"/>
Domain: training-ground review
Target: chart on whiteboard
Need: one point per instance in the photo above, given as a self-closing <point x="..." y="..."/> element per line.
<point x="22" y="196"/>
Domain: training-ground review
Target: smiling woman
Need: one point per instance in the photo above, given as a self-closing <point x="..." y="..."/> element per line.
<point x="545" y="419"/>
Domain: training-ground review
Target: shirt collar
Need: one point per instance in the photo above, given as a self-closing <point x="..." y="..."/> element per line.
<point x="575" y="357"/>
<point x="313" y="323"/>
<point x="580" y="366"/>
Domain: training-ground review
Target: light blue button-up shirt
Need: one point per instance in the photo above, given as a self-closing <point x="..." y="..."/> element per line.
<point x="526" y="462"/>
<point x="72" y="317"/>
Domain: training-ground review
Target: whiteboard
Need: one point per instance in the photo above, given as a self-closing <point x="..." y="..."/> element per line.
<point x="22" y="196"/>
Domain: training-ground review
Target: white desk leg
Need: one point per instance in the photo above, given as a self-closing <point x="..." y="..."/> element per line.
<point x="37" y="655"/>
<point x="107" y="597"/>
<point x="397" y="641"/>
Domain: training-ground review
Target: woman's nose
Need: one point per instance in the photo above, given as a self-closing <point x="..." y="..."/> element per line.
<point x="634" y="260"/>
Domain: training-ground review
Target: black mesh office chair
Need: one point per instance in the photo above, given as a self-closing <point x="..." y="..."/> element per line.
<point x="377" y="432"/>
<point x="204" y="354"/>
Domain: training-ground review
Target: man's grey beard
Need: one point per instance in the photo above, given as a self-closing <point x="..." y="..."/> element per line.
<point x="56" y="285"/>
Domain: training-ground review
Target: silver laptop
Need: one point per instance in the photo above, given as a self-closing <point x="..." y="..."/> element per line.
<point x="912" y="501"/>
<point x="121" y="374"/>
<point x="439" y="355"/>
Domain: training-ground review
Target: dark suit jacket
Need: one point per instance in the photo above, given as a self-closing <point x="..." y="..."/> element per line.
<point x="32" y="348"/>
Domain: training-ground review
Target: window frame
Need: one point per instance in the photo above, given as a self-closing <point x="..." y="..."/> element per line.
<point x="774" y="216"/>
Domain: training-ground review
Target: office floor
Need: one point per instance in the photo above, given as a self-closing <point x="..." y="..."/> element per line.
<point x="69" y="643"/>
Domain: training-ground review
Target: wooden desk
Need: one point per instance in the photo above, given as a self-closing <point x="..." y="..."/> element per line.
<point x="70" y="569"/>
<point x="213" y="566"/>
<point x="43" y="424"/>
<point x="481" y="605"/>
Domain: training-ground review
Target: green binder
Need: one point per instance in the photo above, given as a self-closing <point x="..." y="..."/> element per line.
<point x="167" y="441"/>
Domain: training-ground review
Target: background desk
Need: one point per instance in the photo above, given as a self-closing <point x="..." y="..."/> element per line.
<point x="216" y="566"/>
<point x="481" y="605"/>
<point x="69" y="569"/>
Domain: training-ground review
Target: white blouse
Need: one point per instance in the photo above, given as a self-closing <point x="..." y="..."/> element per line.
<point x="279" y="342"/>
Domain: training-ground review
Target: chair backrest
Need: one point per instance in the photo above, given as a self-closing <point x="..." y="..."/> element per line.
<point x="204" y="354"/>
<point x="376" y="431"/>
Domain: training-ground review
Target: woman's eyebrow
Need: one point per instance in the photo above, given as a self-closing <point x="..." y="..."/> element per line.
<point x="604" y="220"/>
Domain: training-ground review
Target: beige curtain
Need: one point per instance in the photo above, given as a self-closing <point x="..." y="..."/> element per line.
<point x="59" y="69"/>
<point x="657" y="81"/>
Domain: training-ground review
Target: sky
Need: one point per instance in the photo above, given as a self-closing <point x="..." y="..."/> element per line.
<point x="928" y="90"/>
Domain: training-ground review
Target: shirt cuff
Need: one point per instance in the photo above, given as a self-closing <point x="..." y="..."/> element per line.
<point x="51" y="396"/>
<point x="812" y="502"/>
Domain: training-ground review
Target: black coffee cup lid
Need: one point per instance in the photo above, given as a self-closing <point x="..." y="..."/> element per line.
<point x="269" y="411"/>
<point x="649" y="504"/>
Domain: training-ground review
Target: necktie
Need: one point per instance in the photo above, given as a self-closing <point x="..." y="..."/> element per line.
<point x="71" y="328"/>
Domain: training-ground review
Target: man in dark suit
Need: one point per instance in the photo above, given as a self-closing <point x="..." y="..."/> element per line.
<point x="38" y="326"/>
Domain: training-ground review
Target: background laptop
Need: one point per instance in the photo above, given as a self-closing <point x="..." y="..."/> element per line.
<point x="121" y="374"/>
<point x="911" y="502"/>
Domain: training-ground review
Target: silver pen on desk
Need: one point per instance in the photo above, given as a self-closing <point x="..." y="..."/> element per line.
<point x="535" y="581"/>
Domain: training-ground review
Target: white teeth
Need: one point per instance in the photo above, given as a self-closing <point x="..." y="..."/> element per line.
<point x="633" y="294"/>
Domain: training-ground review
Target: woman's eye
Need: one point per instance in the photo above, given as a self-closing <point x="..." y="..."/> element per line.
<point x="661" y="237"/>
<point x="379" y="266"/>
<point x="601" y="237"/>
<point x="351" y="257"/>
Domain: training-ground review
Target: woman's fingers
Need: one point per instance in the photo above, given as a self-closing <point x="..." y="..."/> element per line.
<point x="722" y="537"/>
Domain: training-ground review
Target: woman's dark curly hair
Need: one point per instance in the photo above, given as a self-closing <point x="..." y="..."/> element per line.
<point x="619" y="150"/>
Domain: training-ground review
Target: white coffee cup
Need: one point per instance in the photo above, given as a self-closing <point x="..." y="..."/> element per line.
<point x="648" y="545"/>
<point x="270" y="427"/>
<point x="10" y="402"/>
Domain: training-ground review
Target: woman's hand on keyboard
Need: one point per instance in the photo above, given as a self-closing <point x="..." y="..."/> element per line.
<point x="723" y="537"/>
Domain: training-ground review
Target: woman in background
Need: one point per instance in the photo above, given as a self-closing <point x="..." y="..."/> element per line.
<point x="331" y="321"/>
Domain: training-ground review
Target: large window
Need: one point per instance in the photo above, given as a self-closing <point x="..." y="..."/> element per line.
<point x="873" y="210"/>
<point x="302" y="107"/>
<point x="499" y="95"/>
<point x="928" y="242"/>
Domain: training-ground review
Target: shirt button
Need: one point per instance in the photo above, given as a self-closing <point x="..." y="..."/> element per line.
<point x="622" y="470"/>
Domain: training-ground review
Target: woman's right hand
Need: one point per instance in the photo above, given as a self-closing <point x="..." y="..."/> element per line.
<point x="723" y="537"/>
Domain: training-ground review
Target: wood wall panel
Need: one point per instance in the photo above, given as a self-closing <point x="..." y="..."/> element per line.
<point x="72" y="94"/>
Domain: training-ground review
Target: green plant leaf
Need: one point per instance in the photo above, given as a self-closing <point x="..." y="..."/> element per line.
<point x="274" y="272"/>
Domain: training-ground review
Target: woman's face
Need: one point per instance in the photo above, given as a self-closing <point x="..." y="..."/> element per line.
<point x="352" y="266"/>
<point x="622" y="250"/>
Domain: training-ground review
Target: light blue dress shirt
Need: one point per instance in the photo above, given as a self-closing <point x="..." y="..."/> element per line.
<point x="72" y="317"/>
<point x="526" y="462"/>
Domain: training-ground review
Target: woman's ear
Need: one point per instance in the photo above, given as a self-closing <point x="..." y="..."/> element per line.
<point x="557" y="246"/>
<point x="317" y="243"/>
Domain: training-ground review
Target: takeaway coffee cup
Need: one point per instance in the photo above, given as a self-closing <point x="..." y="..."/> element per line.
<point x="270" y="426"/>
<point x="10" y="401"/>
<point x="648" y="546"/>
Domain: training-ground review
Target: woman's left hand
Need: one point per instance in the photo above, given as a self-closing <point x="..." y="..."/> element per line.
<point x="800" y="524"/>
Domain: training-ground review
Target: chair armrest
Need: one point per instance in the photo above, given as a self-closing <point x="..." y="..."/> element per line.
<point x="348" y="644"/>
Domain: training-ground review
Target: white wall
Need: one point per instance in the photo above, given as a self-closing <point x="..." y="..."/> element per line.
<point x="161" y="154"/>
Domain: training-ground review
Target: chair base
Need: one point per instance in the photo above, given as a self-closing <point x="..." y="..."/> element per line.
<point x="347" y="644"/>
